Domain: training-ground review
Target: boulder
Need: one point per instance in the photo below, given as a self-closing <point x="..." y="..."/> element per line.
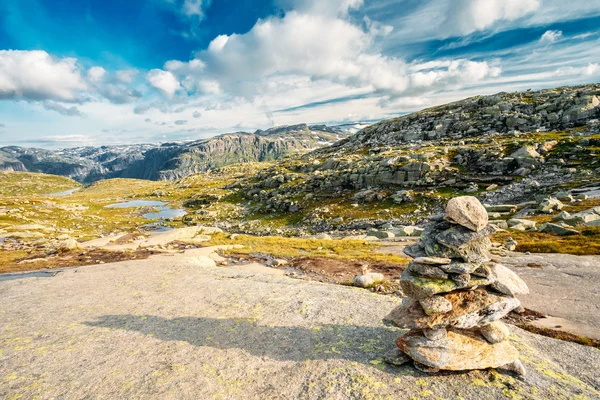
<point x="525" y="152"/>
<point x="557" y="229"/>
<point x="468" y="212"/>
<point x="549" y="205"/>
<point x="69" y="244"/>
<point x="460" y="350"/>
<point x="381" y="234"/>
<point x="368" y="279"/>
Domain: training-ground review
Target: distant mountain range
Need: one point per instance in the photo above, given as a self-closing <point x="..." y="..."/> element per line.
<point x="170" y="161"/>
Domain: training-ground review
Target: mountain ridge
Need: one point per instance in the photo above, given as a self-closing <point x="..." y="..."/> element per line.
<point x="171" y="160"/>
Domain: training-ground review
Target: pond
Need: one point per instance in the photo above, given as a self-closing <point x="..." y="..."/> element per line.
<point x="65" y="193"/>
<point x="161" y="212"/>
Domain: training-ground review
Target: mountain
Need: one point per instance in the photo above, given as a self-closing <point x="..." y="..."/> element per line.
<point x="169" y="161"/>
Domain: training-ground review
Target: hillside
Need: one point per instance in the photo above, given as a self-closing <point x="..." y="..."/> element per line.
<point x="399" y="171"/>
<point x="169" y="161"/>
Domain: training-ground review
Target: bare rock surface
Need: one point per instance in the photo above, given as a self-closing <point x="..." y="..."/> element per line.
<point x="563" y="286"/>
<point x="174" y="327"/>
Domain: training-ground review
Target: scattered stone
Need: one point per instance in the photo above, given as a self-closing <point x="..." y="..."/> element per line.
<point x="367" y="279"/>
<point x="511" y="244"/>
<point x="549" y="205"/>
<point x="69" y="244"/>
<point x="381" y="234"/>
<point x="557" y="230"/>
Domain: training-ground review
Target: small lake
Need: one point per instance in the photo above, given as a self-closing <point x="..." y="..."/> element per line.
<point x="162" y="211"/>
<point x="65" y="193"/>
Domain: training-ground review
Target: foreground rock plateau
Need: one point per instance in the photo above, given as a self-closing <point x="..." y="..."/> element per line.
<point x="179" y="327"/>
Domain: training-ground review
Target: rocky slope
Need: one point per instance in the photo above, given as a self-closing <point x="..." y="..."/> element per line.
<point x="169" y="161"/>
<point x="509" y="147"/>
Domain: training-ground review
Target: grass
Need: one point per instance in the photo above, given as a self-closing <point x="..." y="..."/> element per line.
<point x="16" y="184"/>
<point x="283" y="247"/>
<point x="561" y="335"/>
<point x="588" y="243"/>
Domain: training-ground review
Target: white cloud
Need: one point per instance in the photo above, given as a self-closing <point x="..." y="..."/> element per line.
<point x="550" y="36"/>
<point x="96" y="74"/>
<point x="467" y="16"/>
<point x="164" y="81"/>
<point x="126" y="75"/>
<point x="588" y="70"/>
<point x="276" y="51"/>
<point x="36" y="75"/>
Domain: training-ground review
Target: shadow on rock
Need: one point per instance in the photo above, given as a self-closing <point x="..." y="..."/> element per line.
<point x="355" y="343"/>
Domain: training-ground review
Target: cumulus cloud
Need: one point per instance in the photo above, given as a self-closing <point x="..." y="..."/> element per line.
<point x="59" y="108"/>
<point x="180" y="122"/>
<point x="550" y="36"/>
<point x="588" y="70"/>
<point x="197" y="114"/>
<point x="96" y="74"/>
<point x="276" y="51"/>
<point x="36" y="75"/>
<point x="164" y="81"/>
<point x="467" y="16"/>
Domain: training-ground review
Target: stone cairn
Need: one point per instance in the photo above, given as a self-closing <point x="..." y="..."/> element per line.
<point x="456" y="296"/>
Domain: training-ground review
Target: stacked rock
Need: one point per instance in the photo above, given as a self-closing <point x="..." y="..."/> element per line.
<point x="456" y="296"/>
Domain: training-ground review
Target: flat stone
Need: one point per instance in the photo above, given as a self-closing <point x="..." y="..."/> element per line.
<point x="495" y="332"/>
<point x="429" y="271"/>
<point x="419" y="287"/>
<point x="435" y="305"/>
<point x="460" y="350"/>
<point x="507" y="281"/>
<point x="459" y="268"/>
<point x="468" y="212"/>
<point x="458" y="237"/>
<point x="432" y="260"/>
<point x="469" y="309"/>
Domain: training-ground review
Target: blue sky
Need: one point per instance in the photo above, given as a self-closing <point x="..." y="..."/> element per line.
<point x="90" y="72"/>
